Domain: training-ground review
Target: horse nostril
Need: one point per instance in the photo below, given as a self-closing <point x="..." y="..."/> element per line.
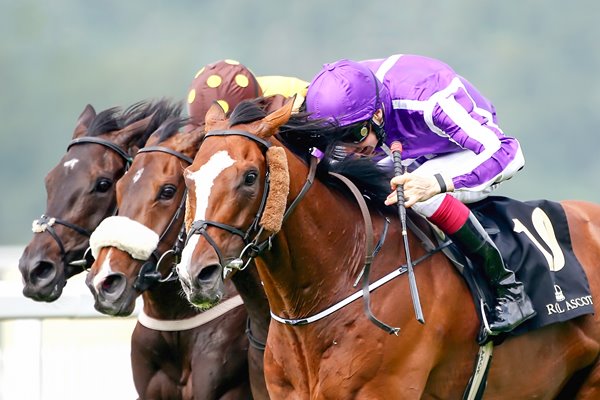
<point x="113" y="284"/>
<point x="42" y="271"/>
<point x="208" y="273"/>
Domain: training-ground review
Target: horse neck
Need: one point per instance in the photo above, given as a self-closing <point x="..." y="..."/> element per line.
<point x="312" y="257"/>
<point x="164" y="301"/>
<point x="250" y="288"/>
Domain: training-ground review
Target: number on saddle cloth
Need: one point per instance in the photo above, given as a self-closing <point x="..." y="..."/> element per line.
<point x="533" y="238"/>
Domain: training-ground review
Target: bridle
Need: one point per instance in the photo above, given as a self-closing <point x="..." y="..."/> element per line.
<point x="253" y="247"/>
<point x="46" y="223"/>
<point x="149" y="273"/>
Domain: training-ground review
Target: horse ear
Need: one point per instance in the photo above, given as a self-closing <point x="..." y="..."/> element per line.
<point x="268" y="126"/>
<point x="83" y="122"/>
<point x="189" y="142"/>
<point x="274" y="102"/>
<point x="129" y="135"/>
<point x="214" y="115"/>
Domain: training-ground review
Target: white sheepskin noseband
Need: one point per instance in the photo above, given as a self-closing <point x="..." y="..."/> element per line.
<point x="125" y="234"/>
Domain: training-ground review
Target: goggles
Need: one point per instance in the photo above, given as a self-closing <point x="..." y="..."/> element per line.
<point x="358" y="132"/>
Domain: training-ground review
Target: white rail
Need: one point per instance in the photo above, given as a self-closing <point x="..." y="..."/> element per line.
<point x="60" y="350"/>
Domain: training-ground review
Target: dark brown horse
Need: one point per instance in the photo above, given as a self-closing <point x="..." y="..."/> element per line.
<point x="80" y="192"/>
<point x="314" y="260"/>
<point x="178" y="351"/>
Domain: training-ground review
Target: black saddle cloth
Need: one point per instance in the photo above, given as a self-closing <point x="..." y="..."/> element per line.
<point x="535" y="243"/>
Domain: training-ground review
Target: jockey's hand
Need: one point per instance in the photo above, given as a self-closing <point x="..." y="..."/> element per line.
<point x="417" y="188"/>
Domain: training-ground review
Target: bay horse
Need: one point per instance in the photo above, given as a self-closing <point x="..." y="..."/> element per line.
<point x="178" y="351"/>
<point x="309" y="257"/>
<point x="80" y="192"/>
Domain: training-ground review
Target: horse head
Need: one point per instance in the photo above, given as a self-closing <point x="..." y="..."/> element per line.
<point x="81" y="193"/>
<point x="133" y="249"/>
<point x="228" y="208"/>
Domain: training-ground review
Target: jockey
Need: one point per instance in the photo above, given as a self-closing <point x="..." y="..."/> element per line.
<point x="228" y="83"/>
<point x="453" y="148"/>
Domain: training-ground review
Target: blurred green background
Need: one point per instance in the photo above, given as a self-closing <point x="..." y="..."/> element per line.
<point x="537" y="61"/>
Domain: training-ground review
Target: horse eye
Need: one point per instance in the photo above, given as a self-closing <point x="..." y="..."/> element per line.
<point x="250" y="178"/>
<point x="167" y="192"/>
<point x="103" y="185"/>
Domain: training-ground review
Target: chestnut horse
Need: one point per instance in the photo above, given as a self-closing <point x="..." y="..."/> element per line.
<point x="80" y="192"/>
<point x="313" y="261"/>
<point x="178" y="351"/>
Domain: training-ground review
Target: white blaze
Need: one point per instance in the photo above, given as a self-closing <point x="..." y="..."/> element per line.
<point x="71" y="163"/>
<point x="138" y="175"/>
<point x="105" y="270"/>
<point x="204" y="180"/>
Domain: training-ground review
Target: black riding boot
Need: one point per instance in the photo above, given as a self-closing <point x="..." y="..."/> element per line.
<point x="513" y="306"/>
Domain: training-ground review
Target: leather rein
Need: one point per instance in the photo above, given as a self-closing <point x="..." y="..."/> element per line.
<point x="253" y="247"/>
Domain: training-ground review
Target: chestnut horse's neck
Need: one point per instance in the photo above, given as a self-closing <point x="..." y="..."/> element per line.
<point x="318" y="252"/>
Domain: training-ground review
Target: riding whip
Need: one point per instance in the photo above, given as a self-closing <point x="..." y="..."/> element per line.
<point x="396" y="148"/>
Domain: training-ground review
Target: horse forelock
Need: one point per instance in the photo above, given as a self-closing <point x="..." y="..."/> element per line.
<point x="109" y="120"/>
<point x="169" y="128"/>
<point x="158" y="111"/>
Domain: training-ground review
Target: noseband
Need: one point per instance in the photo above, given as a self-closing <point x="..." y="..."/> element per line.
<point x="46" y="223"/>
<point x="149" y="274"/>
<point x="252" y="247"/>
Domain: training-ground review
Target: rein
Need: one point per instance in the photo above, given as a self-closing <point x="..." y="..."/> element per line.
<point x="254" y="248"/>
<point x="149" y="273"/>
<point x="369" y="253"/>
<point x="46" y="223"/>
<point x="339" y="305"/>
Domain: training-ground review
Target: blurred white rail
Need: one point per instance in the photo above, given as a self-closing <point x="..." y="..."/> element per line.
<point x="62" y="350"/>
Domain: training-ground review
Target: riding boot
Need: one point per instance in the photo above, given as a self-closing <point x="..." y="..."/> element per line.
<point x="513" y="306"/>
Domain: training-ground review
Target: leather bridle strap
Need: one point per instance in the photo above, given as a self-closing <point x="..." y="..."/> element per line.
<point x="106" y="143"/>
<point x="45" y="223"/>
<point x="149" y="272"/>
<point x="253" y="247"/>
<point x="309" y="181"/>
<point x="162" y="149"/>
<point x="199" y="226"/>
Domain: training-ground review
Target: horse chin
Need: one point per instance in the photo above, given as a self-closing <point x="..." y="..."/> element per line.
<point x="203" y="298"/>
<point x="203" y="306"/>
<point x="47" y="293"/>
<point x="121" y="308"/>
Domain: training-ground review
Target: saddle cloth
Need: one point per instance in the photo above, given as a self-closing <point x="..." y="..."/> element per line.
<point x="533" y="238"/>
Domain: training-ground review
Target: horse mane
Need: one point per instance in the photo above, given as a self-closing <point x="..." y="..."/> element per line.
<point x="302" y="133"/>
<point x="160" y="110"/>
